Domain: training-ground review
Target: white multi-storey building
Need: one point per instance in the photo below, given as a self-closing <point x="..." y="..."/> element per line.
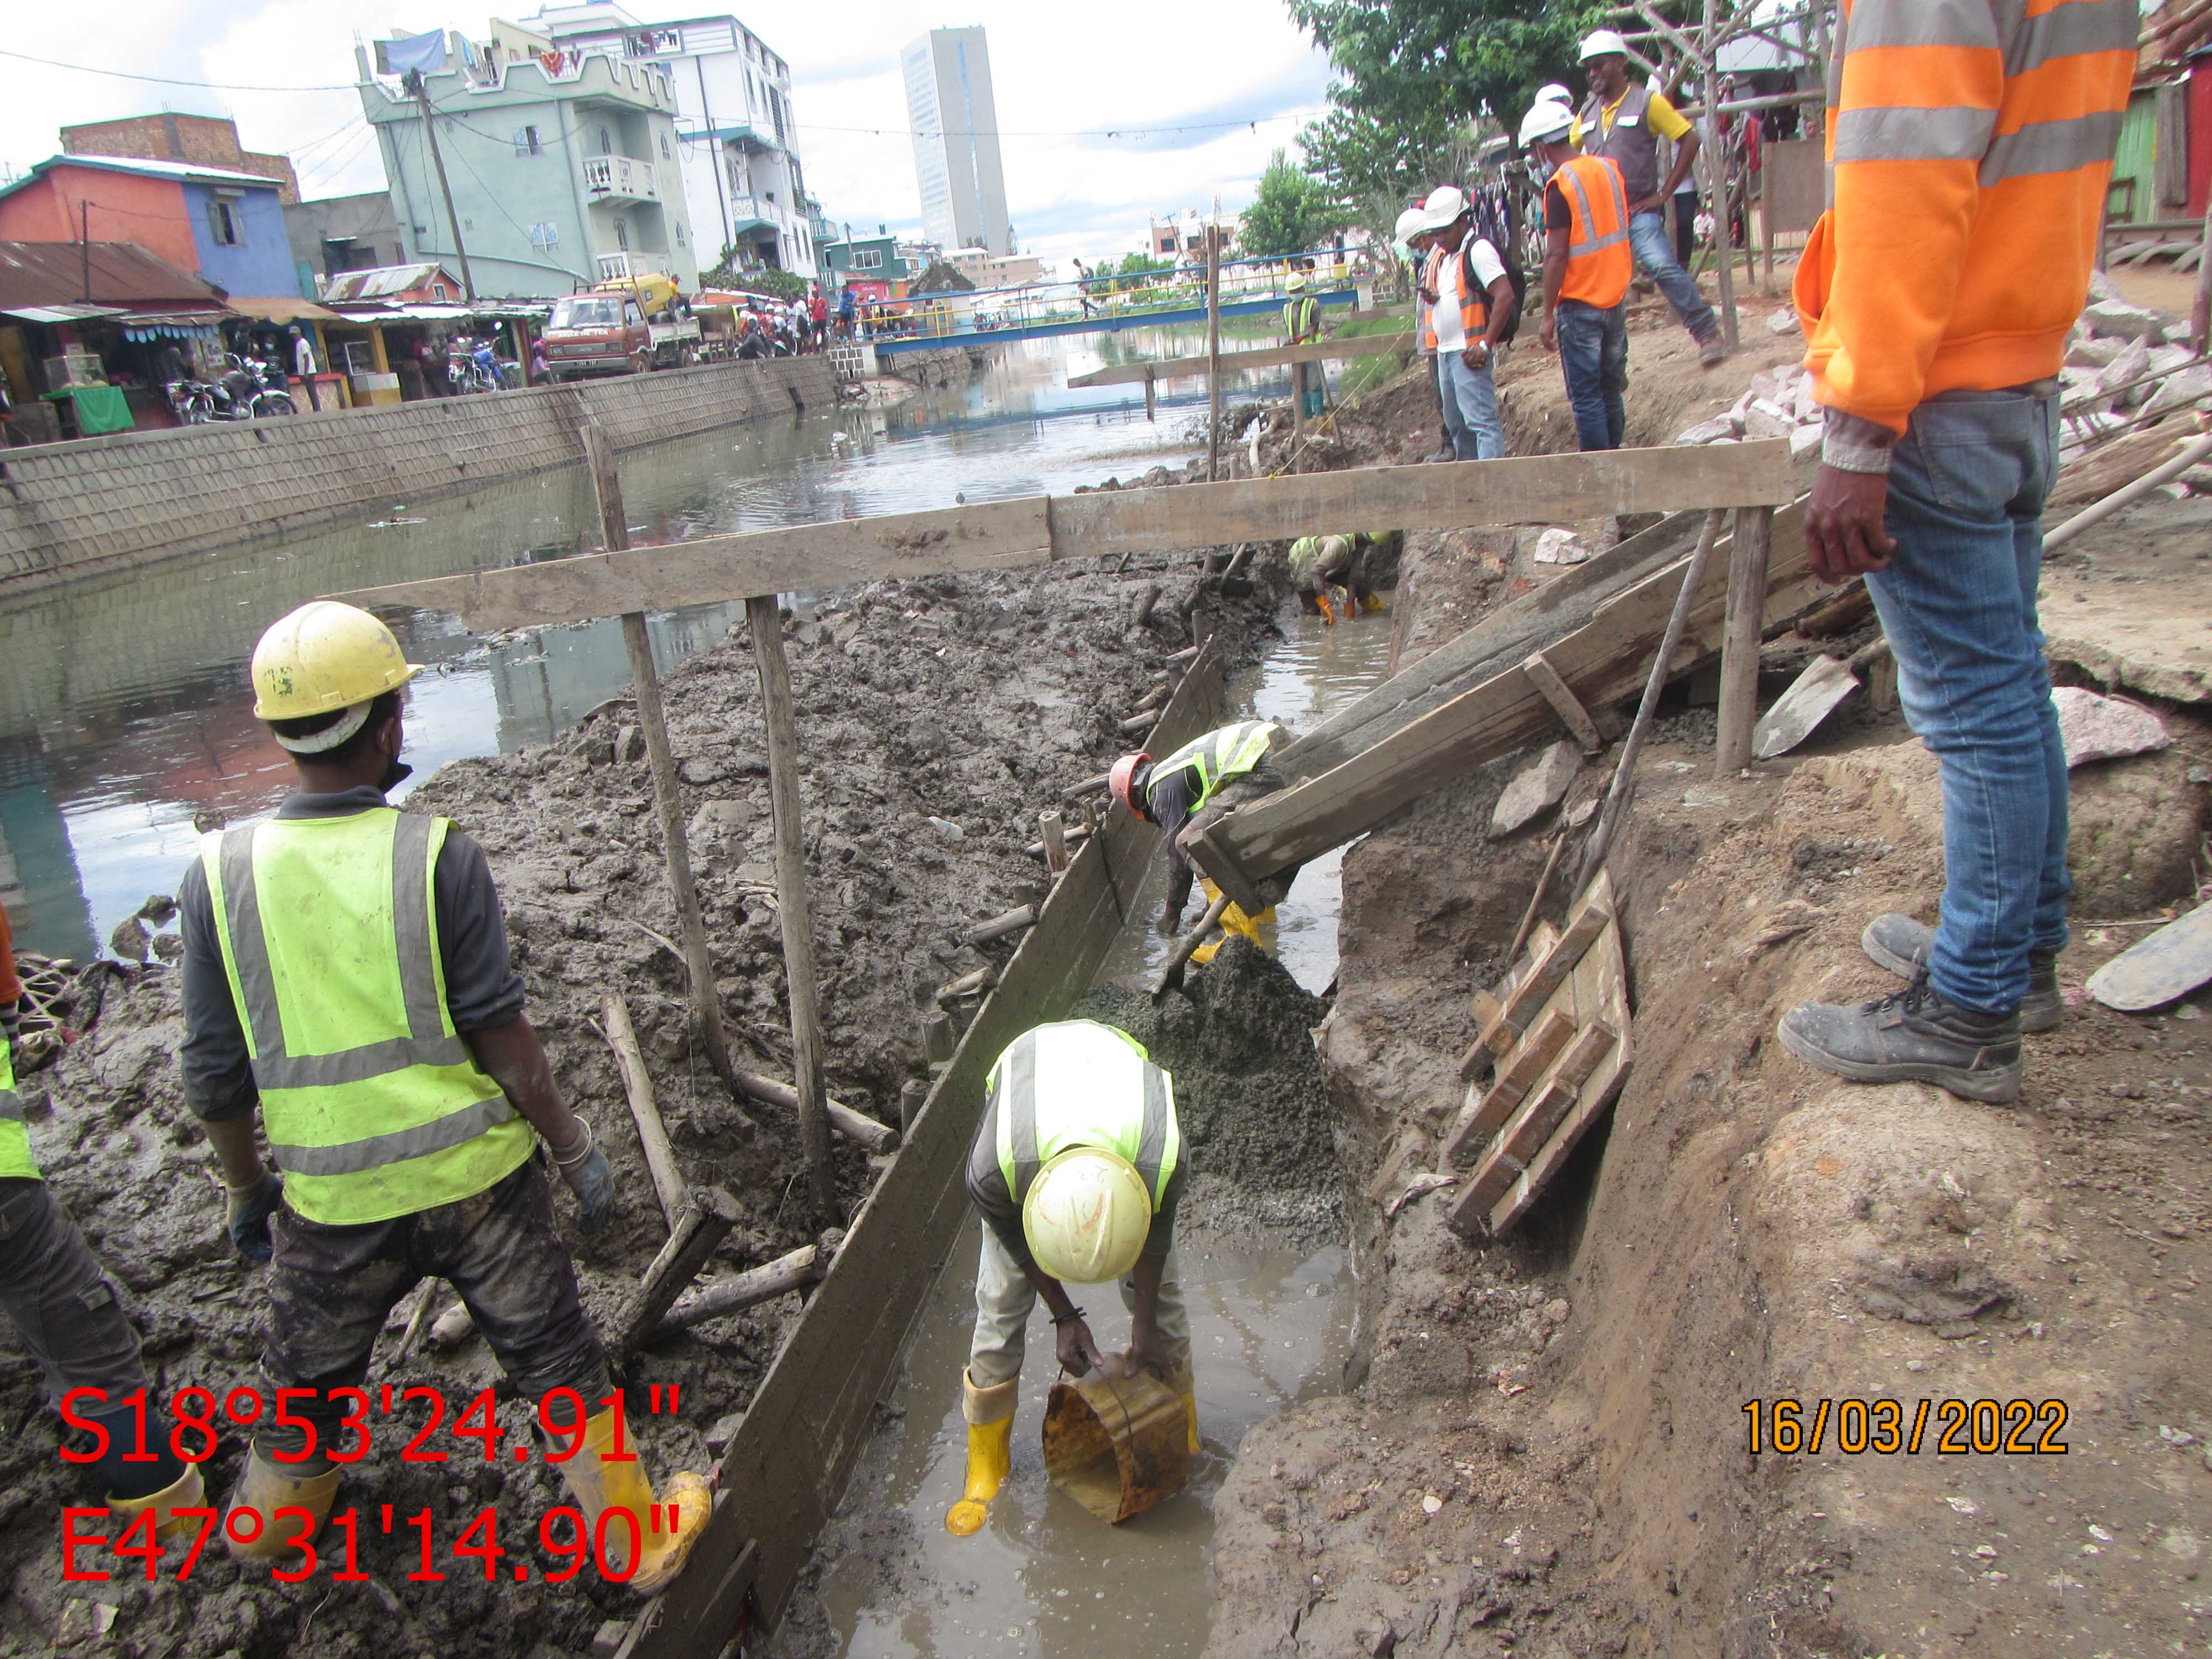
<point x="955" y="122"/>
<point x="743" y="184"/>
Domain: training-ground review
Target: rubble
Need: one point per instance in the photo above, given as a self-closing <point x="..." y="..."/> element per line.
<point x="2095" y="728"/>
<point x="1536" y="789"/>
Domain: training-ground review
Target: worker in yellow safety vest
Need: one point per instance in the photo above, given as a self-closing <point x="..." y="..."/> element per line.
<point x="1193" y="789"/>
<point x="1301" y="323"/>
<point x="1587" y="266"/>
<point x="68" y="1316"/>
<point x="1076" y="1169"/>
<point x="346" y="971"/>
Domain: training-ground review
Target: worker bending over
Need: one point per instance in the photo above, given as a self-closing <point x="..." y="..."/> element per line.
<point x="1192" y="789"/>
<point x="346" y="970"/>
<point x="1351" y="565"/>
<point x="69" y="1315"/>
<point x="1076" y="1168"/>
<point x="1588" y="267"/>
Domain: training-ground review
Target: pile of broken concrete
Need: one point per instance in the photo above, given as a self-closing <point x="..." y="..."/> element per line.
<point x="1778" y="403"/>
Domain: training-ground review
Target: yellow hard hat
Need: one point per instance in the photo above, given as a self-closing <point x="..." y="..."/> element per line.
<point x="1087" y="1216"/>
<point x="324" y="656"/>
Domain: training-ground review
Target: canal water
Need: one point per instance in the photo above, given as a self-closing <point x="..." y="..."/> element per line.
<point x="123" y="707"/>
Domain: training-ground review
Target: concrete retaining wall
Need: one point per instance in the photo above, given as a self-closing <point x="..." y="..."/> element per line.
<point x="68" y="510"/>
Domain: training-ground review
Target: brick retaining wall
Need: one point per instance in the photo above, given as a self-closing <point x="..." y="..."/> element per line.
<point x="71" y="509"/>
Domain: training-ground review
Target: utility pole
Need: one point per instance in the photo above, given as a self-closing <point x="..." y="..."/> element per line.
<point x="1213" y="353"/>
<point x="413" y="83"/>
<point x="84" y="243"/>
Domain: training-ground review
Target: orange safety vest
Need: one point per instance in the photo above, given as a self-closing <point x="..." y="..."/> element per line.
<point x="1473" y="301"/>
<point x="1971" y="144"/>
<point x="1600" y="263"/>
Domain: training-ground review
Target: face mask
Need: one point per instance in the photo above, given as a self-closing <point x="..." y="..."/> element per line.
<point x="397" y="773"/>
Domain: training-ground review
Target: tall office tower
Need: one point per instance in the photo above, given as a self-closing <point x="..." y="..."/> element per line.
<point x="955" y="141"/>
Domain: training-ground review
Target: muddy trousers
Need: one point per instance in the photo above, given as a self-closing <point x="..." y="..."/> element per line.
<point x="69" y="1316"/>
<point x="1005" y="1297"/>
<point x="1262" y="781"/>
<point x="330" y="1289"/>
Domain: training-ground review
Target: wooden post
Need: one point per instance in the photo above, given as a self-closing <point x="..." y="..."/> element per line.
<point x="1297" y="410"/>
<point x="1717" y="176"/>
<point x="2200" y="308"/>
<point x="1739" y="637"/>
<point x="1151" y="399"/>
<point x="1213" y="353"/>
<point x="1055" y="843"/>
<point x="637" y="1088"/>
<point x="793" y="908"/>
<point x="704" y="1226"/>
<point x="606" y="484"/>
<point x="1766" y="227"/>
<point x="804" y="1265"/>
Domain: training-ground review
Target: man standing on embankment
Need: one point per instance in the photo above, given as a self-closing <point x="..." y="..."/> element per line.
<point x="1972" y="142"/>
<point x="1472" y="310"/>
<point x="1587" y="270"/>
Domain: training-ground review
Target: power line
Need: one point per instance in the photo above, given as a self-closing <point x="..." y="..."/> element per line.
<point x="163" y="80"/>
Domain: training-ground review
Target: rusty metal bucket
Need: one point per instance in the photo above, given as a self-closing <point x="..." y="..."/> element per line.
<point x="1116" y="1445"/>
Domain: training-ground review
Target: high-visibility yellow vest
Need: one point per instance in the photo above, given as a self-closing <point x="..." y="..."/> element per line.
<point x="375" y="1106"/>
<point x="15" y="1158"/>
<point x="1298" y="316"/>
<point x="1078" y="1083"/>
<point x="1228" y="752"/>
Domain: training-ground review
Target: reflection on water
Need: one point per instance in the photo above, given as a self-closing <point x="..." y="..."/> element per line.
<point x="124" y="709"/>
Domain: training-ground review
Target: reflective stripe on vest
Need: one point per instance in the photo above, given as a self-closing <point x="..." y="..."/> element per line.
<point x="1298" y="316"/>
<point x="1629" y="143"/>
<point x="15" y="1158"/>
<point x="1473" y="301"/>
<point x="1600" y="264"/>
<point x="375" y="1106"/>
<point x="1078" y="1083"/>
<point x="1228" y="752"/>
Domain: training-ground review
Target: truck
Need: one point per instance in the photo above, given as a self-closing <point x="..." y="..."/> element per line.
<point x="603" y="333"/>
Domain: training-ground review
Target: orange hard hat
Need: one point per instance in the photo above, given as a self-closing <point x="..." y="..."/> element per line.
<point x="1123" y="779"/>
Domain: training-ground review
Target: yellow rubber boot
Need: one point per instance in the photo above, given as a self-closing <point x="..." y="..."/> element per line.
<point x="990" y="1415"/>
<point x="267" y="1487"/>
<point x="666" y="1527"/>
<point x="186" y="1492"/>
<point x="1180" y="1380"/>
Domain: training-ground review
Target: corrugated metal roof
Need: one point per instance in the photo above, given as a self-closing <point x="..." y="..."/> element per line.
<point x="383" y="281"/>
<point x="78" y="312"/>
<point x="123" y="273"/>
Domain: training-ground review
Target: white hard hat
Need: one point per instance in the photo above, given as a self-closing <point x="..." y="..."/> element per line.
<point x="1549" y="122"/>
<point x="1410" y="223"/>
<point x="1553" y="92"/>
<point x="1445" y="204"/>
<point x="1603" y="43"/>
<point x="1087" y="1216"/>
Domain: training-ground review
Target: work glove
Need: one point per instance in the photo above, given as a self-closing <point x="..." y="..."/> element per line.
<point x="585" y="1169"/>
<point x="251" y="1207"/>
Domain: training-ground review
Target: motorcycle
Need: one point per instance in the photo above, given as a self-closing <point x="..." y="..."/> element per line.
<point x="190" y="402"/>
<point x="250" y="390"/>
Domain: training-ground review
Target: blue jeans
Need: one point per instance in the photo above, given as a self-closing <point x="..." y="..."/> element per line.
<point x="1655" y="258"/>
<point x="1470" y="400"/>
<point x="1594" y="352"/>
<point x="1966" y="488"/>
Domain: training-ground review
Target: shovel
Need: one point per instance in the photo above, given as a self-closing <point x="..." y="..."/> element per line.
<point x="1171" y="978"/>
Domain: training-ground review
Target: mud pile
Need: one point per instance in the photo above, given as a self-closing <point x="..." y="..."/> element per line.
<point x="936" y="718"/>
<point x="1249" y="1096"/>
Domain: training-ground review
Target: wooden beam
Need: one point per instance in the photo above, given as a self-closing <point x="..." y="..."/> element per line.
<point x="1743" y="627"/>
<point x="794" y="1272"/>
<point x="1038" y="529"/>
<point x="1591" y="913"/>
<point x="787" y="1468"/>
<point x="1306" y="351"/>
<point x="637" y="1088"/>
<point x="1603" y="660"/>
<point x="1484" y="1113"/>
<point x="698" y="1230"/>
<point x="1572" y="716"/>
<point x="794" y="908"/>
<point x="1548" y="1102"/>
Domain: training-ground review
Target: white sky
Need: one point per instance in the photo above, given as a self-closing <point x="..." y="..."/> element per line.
<point x="1135" y="68"/>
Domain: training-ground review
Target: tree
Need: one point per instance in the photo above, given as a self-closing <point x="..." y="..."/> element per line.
<point x="1293" y="213"/>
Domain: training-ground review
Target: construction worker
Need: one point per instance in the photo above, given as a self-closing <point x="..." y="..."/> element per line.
<point x="1473" y="309"/>
<point x="1302" y="322"/>
<point x="346" y="970"/>
<point x="1412" y="238"/>
<point x="69" y="1314"/>
<point x="1971" y="144"/>
<point x="1076" y="1169"/>
<point x="1193" y="788"/>
<point x="1319" y="563"/>
<point x="1587" y="270"/>
<point x="1624" y="122"/>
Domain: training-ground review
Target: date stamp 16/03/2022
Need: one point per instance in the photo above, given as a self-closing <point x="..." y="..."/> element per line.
<point x="568" y="1538"/>
<point x="1883" y="1427"/>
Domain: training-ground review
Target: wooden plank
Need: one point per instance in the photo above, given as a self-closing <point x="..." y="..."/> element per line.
<point x="1597" y="1096"/>
<point x="1194" y="369"/>
<point x="1742" y="628"/>
<point x="788" y="1467"/>
<point x="1009" y="535"/>
<point x="1605" y="660"/>
<point x="693" y="1239"/>
<point x="1529" y="997"/>
<point x="1516" y="1074"/>
<point x="1547" y="1101"/>
<point x="1489" y="1006"/>
<point x="1567" y="706"/>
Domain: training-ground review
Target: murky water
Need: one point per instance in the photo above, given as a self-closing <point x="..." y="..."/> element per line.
<point x="123" y="711"/>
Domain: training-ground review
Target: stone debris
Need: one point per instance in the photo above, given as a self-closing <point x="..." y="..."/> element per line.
<point x="1720" y="429"/>
<point x="2117" y="318"/>
<point x="1786" y="321"/>
<point x="1535" y="789"/>
<point x="2095" y="728"/>
<point x="1558" y="546"/>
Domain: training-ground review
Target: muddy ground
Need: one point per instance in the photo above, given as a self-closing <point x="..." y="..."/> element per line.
<point x="935" y="720"/>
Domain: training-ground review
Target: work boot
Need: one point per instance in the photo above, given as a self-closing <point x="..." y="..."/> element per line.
<point x="1447" y="453"/>
<point x="1712" y="350"/>
<point x="1918" y="1036"/>
<point x="1902" y="945"/>
<point x="990" y="1415"/>
<point x="267" y="1487"/>
<point x="662" y="1529"/>
<point x="1185" y="1385"/>
<point x="186" y="1492"/>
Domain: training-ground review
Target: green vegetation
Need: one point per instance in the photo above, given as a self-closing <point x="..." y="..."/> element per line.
<point x="1364" y="375"/>
<point x="1293" y="213"/>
